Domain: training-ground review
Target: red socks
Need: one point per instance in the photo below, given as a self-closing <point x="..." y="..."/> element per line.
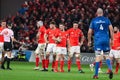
<point x="117" y="67"/>
<point x="69" y="64"/>
<point x="78" y="64"/>
<point x="53" y="64"/>
<point x="56" y="65"/>
<point x="43" y="63"/>
<point x="100" y="64"/>
<point x="46" y="63"/>
<point x="37" y="61"/>
<point x="61" y="65"/>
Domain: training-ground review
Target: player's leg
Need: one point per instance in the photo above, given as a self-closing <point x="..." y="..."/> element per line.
<point x="111" y="56"/>
<point x="48" y="51"/>
<point x="70" y="55"/>
<point x="63" y="53"/>
<point x="4" y="59"/>
<point x="43" y="60"/>
<point x="2" y="53"/>
<point x="47" y="61"/>
<point x="97" y="64"/>
<point x="108" y="62"/>
<point x="37" y="57"/>
<point x="77" y="56"/>
<point x="7" y="47"/>
<point x="117" y="65"/>
<point x="116" y="55"/>
<point x="102" y="57"/>
<point x="93" y="64"/>
<point x="54" y="56"/>
<point x="71" y="52"/>
<point x="8" y="59"/>
<point x="42" y="55"/>
<point x="56" y="62"/>
<point x="62" y="63"/>
<point x="53" y="62"/>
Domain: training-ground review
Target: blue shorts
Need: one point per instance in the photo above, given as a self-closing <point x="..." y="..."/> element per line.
<point x="102" y="45"/>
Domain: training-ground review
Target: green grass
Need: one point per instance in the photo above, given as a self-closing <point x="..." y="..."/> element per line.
<point x="24" y="71"/>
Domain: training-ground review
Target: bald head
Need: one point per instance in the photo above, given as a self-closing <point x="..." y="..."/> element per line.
<point x="99" y="12"/>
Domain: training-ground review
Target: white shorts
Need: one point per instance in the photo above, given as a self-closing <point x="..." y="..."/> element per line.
<point x="61" y="50"/>
<point x="114" y="53"/>
<point x="40" y="48"/>
<point x="74" y="49"/>
<point x="51" y="48"/>
<point x="1" y="46"/>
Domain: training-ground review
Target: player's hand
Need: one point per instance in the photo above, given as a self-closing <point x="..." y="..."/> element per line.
<point x="47" y="42"/>
<point x="111" y="43"/>
<point x="89" y="43"/>
<point x="118" y="48"/>
<point x="19" y="42"/>
<point x="80" y="44"/>
<point x="53" y="38"/>
<point x="68" y="48"/>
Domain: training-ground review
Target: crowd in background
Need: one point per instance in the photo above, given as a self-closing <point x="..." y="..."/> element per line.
<point x="65" y="11"/>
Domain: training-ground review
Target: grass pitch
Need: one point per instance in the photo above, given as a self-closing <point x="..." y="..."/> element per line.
<point x="24" y="71"/>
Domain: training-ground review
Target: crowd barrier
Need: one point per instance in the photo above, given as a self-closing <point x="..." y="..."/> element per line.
<point x="86" y="58"/>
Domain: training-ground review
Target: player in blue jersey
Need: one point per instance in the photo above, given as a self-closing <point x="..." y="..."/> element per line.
<point x="103" y="38"/>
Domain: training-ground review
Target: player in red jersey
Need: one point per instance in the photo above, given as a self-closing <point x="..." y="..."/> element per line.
<point x="51" y="47"/>
<point x="61" y="51"/>
<point x="3" y="24"/>
<point x="115" y="51"/>
<point x="40" y="50"/>
<point x="75" y="34"/>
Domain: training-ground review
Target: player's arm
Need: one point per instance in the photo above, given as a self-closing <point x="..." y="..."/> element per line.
<point x="82" y="39"/>
<point x="14" y="40"/>
<point x="111" y="34"/>
<point x="89" y="36"/>
<point x="68" y="44"/>
<point x="46" y="38"/>
<point x="1" y="33"/>
<point x="37" y="36"/>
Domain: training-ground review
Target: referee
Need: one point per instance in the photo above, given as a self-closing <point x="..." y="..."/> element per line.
<point x="8" y="39"/>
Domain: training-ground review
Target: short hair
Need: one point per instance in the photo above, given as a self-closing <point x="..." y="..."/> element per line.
<point x="3" y="21"/>
<point x="53" y="22"/>
<point x="62" y="24"/>
<point x="99" y="11"/>
<point x="75" y="22"/>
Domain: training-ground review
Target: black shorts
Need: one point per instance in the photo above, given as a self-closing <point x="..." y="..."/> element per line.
<point x="7" y="46"/>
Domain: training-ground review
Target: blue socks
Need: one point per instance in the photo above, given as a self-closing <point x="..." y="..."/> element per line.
<point x="108" y="62"/>
<point x="97" y="64"/>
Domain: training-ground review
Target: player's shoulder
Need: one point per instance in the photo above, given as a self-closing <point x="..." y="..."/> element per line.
<point x="70" y="29"/>
<point x="48" y="29"/>
<point x="1" y="28"/>
<point x="10" y="30"/>
<point x="57" y="29"/>
<point x="101" y="18"/>
<point x="119" y="33"/>
<point x="43" y="27"/>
